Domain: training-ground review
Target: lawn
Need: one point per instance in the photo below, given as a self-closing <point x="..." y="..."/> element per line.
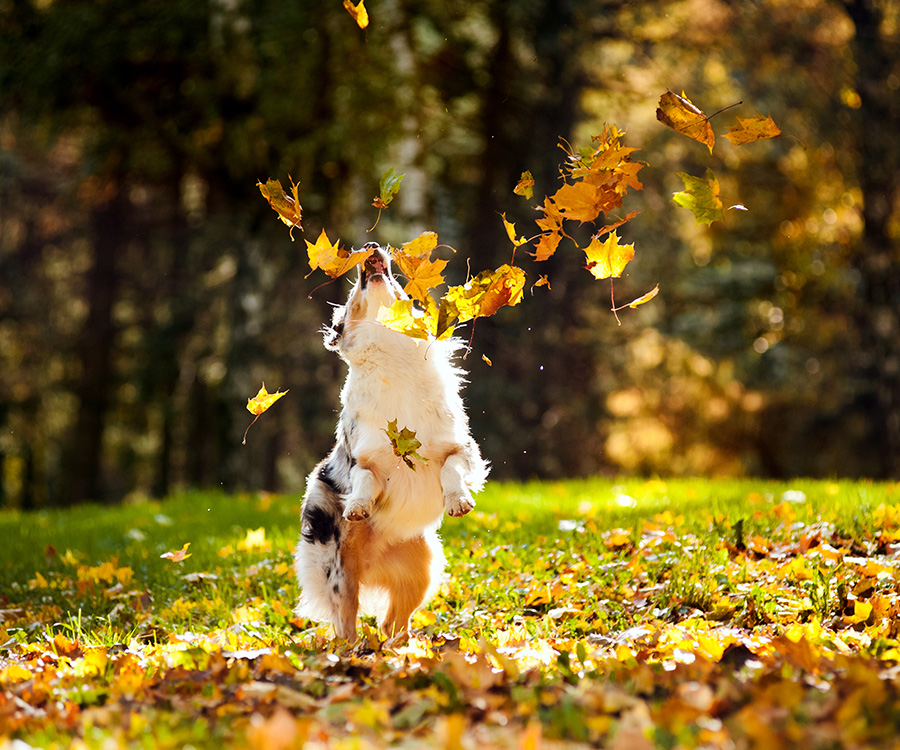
<point x="623" y="614"/>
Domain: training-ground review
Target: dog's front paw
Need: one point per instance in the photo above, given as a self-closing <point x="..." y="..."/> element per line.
<point x="357" y="510"/>
<point x="458" y="505"/>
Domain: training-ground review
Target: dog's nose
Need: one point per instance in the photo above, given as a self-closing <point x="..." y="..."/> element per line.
<point x="371" y="246"/>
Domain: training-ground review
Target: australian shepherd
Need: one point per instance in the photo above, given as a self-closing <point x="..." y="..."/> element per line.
<point x="369" y="535"/>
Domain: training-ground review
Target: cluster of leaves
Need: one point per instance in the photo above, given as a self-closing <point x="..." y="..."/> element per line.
<point x="595" y="182"/>
<point x="650" y="614"/>
<point x="701" y="194"/>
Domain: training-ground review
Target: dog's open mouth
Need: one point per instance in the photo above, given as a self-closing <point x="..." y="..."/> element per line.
<point x="375" y="267"/>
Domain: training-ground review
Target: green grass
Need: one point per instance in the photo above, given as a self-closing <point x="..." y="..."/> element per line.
<point x="576" y="610"/>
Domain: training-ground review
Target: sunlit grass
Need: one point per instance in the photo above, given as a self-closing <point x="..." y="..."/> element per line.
<point x="554" y="591"/>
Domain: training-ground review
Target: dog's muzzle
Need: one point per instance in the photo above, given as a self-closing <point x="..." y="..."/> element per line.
<point x="376" y="266"/>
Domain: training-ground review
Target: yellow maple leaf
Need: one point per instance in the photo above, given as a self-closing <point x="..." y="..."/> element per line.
<point x="421" y="273"/>
<point x="404" y="317"/>
<point x="263" y="400"/>
<point x="259" y="404"/>
<point x="511" y="232"/>
<point x="481" y="296"/>
<point x="332" y="258"/>
<point x="358" y="12"/>
<point x="750" y="129"/>
<point x="607" y="259"/>
<point x="421" y="245"/>
<point x="683" y="116"/>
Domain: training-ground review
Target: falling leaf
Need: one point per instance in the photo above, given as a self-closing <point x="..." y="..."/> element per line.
<point x="286" y="206"/>
<point x="405" y="444"/>
<point x="607" y="258"/>
<point x="683" y="116"/>
<point x="525" y="186"/>
<point x="542" y="281"/>
<point x="178" y="555"/>
<point x="332" y="258"/>
<point x="358" y="12"/>
<point x="421" y="245"/>
<point x="263" y="400"/>
<point x="388" y="187"/>
<point x="511" y="232"/>
<point x="750" y="129"/>
<point x="422" y="274"/>
<point x="616" y="224"/>
<point x="404" y="317"/>
<point x="481" y="296"/>
<point x="487" y="360"/>
<point x="701" y="197"/>
<point x="583" y="201"/>
<point x="643" y="299"/>
<point x="259" y="404"/>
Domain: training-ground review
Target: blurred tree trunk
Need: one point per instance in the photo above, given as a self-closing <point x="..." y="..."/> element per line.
<point x="95" y="387"/>
<point x="877" y="259"/>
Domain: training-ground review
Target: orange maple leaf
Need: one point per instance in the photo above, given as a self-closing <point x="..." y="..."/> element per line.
<point x="286" y="206"/>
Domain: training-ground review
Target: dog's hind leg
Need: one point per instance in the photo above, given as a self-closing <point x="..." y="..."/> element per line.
<point x="409" y="571"/>
<point x="327" y="561"/>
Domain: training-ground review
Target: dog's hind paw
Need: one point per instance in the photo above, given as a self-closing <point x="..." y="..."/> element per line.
<point x="458" y="505"/>
<point x="357" y="510"/>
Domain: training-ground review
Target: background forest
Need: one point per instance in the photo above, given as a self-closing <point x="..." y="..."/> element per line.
<point x="146" y="288"/>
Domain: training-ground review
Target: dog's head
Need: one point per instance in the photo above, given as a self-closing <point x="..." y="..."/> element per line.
<point x="375" y="288"/>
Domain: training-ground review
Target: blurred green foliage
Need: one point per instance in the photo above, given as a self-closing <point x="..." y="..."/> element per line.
<point x="146" y="289"/>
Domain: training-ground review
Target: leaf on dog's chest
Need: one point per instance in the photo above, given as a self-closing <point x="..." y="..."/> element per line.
<point x="405" y="444"/>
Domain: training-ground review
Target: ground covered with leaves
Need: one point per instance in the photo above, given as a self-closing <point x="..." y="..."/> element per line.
<point x="592" y="613"/>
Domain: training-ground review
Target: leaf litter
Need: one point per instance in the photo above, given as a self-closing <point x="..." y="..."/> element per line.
<point x="773" y="621"/>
